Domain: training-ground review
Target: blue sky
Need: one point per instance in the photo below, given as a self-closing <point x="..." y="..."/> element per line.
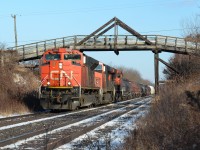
<point x="40" y="20"/>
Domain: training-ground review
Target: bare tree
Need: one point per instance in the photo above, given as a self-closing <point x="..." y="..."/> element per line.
<point x="133" y="75"/>
<point x="186" y="65"/>
<point x="191" y="28"/>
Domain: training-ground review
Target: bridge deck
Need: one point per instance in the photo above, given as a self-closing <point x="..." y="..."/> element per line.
<point x="110" y="43"/>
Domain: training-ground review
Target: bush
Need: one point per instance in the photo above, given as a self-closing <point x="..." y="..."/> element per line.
<point x="132" y="75"/>
<point x="16" y="83"/>
<point x="172" y="122"/>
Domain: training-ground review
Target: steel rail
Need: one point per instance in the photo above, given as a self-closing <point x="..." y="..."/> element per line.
<point x="44" y="130"/>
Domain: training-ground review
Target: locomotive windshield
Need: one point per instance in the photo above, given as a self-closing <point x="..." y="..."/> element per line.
<point x="52" y="56"/>
<point x="99" y="67"/>
<point x="72" y="57"/>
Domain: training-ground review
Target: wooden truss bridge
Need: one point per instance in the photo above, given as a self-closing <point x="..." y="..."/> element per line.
<point x="99" y="41"/>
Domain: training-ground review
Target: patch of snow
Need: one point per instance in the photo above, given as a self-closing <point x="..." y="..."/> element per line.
<point x="49" y="118"/>
<point x="13" y="115"/>
<point x="116" y="137"/>
<point x="17" y="78"/>
<point x="80" y="123"/>
<point x="89" y="121"/>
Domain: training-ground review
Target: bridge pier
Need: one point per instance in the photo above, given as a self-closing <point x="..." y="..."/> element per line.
<point x="156" y="71"/>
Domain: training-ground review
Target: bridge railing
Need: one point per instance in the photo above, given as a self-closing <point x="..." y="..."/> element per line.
<point x="38" y="48"/>
<point x="179" y="44"/>
<point x="104" y="41"/>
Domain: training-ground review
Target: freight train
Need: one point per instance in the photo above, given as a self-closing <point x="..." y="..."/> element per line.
<point x="71" y="80"/>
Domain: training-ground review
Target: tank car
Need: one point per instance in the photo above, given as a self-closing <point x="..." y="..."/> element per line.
<point x="152" y="90"/>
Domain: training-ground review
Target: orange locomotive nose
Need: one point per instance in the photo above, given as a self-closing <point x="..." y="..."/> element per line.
<point x="117" y="81"/>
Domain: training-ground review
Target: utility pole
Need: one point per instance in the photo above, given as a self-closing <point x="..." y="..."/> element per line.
<point x="15" y="30"/>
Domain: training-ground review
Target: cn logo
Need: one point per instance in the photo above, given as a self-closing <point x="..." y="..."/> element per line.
<point x="61" y="74"/>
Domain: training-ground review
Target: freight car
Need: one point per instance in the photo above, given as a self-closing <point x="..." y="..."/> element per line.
<point x="129" y="89"/>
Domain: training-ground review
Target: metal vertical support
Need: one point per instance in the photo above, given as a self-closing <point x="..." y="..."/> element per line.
<point x="136" y="41"/>
<point x="75" y="41"/>
<point x="156" y="71"/>
<point x="55" y="43"/>
<point x="23" y="52"/>
<point x="126" y="40"/>
<point x="165" y="42"/>
<point x="95" y="41"/>
<point x="37" y="49"/>
<point x="156" y="40"/>
<point x="175" y="44"/>
<point x="63" y="42"/>
<point x="116" y="36"/>
<point x="105" y="41"/>
<point x="45" y="46"/>
<point x="116" y="32"/>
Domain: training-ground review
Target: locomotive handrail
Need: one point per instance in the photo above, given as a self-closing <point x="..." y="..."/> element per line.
<point x="39" y="89"/>
<point x="109" y="42"/>
<point x="78" y="85"/>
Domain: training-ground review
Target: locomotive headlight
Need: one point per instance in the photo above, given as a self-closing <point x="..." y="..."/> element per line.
<point x="69" y="83"/>
<point x="48" y="83"/>
<point x="60" y="65"/>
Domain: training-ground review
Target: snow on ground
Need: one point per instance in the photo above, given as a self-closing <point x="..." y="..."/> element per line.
<point x="96" y="138"/>
<point x="57" y="116"/>
<point x="42" y="119"/>
<point x="85" y="122"/>
<point x="2" y="116"/>
<point x="121" y="131"/>
<point x="13" y="115"/>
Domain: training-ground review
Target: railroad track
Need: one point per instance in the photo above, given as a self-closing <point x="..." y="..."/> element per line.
<point x="51" y="132"/>
<point x="21" y="118"/>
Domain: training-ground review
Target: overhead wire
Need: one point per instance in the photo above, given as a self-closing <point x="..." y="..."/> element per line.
<point x="168" y="30"/>
<point x="141" y="4"/>
<point x="102" y="8"/>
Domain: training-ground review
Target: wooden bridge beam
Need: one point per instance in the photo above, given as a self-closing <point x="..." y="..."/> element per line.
<point x="96" y="31"/>
<point x="168" y="65"/>
<point x="156" y="71"/>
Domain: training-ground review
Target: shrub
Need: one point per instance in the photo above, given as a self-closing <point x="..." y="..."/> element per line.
<point x="172" y="122"/>
<point x="16" y="83"/>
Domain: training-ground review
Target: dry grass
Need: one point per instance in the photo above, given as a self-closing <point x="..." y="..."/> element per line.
<point x="173" y="122"/>
<point x="16" y="83"/>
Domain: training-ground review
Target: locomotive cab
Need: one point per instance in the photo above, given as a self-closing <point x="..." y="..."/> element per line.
<point x="60" y="80"/>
